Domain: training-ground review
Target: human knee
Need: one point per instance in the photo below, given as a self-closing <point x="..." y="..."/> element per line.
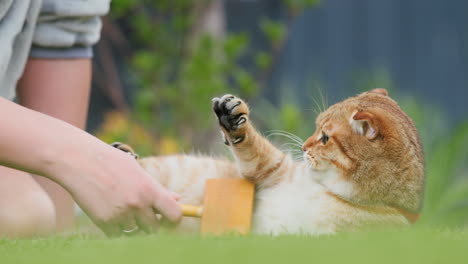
<point x="31" y="214"/>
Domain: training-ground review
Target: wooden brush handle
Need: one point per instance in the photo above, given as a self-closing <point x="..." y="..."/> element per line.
<point x="191" y="210"/>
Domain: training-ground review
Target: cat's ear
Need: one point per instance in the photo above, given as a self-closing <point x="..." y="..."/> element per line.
<point x="364" y="123"/>
<point x="381" y="91"/>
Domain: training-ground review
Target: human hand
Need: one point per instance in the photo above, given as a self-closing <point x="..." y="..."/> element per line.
<point x="115" y="192"/>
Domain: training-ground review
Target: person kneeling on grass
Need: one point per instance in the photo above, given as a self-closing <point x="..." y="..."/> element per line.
<point x="45" y="60"/>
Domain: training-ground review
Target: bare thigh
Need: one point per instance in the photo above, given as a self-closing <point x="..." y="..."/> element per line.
<point x="25" y="208"/>
<point x="58" y="88"/>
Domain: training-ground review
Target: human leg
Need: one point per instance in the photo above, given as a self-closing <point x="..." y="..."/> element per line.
<point x="59" y="88"/>
<point x="25" y="208"/>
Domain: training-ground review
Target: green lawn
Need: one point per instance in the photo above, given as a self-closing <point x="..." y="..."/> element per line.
<point x="417" y="245"/>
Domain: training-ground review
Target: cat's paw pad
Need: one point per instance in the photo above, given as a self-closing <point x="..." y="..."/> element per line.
<point x="232" y="112"/>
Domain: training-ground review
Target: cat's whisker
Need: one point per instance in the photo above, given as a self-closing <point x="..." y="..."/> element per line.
<point x="294" y="155"/>
<point x="312" y="109"/>
<point x="290" y="151"/>
<point x="285" y="134"/>
<point x="323" y="98"/>
<point x="317" y="104"/>
<point x="298" y="158"/>
<point x="293" y="148"/>
<point x="282" y="133"/>
<point x="296" y="146"/>
<point x="296" y="142"/>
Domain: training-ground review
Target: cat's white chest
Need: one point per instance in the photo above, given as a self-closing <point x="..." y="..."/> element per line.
<point x="296" y="206"/>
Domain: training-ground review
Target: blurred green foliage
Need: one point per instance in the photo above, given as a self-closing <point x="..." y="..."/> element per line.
<point x="179" y="67"/>
<point x="447" y="179"/>
<point x="446" y="154"/>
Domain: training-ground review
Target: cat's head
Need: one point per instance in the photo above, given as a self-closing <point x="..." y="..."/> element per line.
<point x="369" y="152"/>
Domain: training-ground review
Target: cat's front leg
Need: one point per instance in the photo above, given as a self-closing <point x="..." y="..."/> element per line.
<point x="258" y="160"/>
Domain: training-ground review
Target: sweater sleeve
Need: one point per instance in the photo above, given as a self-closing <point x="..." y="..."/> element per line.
<point x="68" y="28"/>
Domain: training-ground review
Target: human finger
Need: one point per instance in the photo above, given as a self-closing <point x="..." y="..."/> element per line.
<point x="147" y="221"/>
<point x="111" y="229"/>
<point x="167" y="206"/>
<point x="175" y="195"/>
<point x="128" y="225"/>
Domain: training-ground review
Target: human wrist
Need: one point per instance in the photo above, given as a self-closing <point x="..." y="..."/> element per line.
<point x="62" y="163"/>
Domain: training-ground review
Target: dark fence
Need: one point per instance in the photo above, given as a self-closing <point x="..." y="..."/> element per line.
<point x="418" y="47"/>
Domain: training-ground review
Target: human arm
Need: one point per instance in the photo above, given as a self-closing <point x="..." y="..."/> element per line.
<point x="108" y="184"/>
<point x="59" y="88"/>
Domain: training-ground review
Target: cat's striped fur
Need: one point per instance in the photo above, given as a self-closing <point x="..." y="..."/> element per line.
<point x="363" y="166"/>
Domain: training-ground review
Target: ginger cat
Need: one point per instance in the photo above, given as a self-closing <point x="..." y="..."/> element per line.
<point x="363" y="166"/>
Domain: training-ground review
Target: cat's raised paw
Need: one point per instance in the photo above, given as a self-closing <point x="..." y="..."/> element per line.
<point x="232" y="112"/>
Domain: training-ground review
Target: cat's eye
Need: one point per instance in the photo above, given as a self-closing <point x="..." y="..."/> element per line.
<point x="324" y="138"/>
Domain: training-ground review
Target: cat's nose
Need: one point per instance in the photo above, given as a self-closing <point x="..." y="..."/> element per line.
<point x="308" y="143"/>
<point x="306" y="147"/>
